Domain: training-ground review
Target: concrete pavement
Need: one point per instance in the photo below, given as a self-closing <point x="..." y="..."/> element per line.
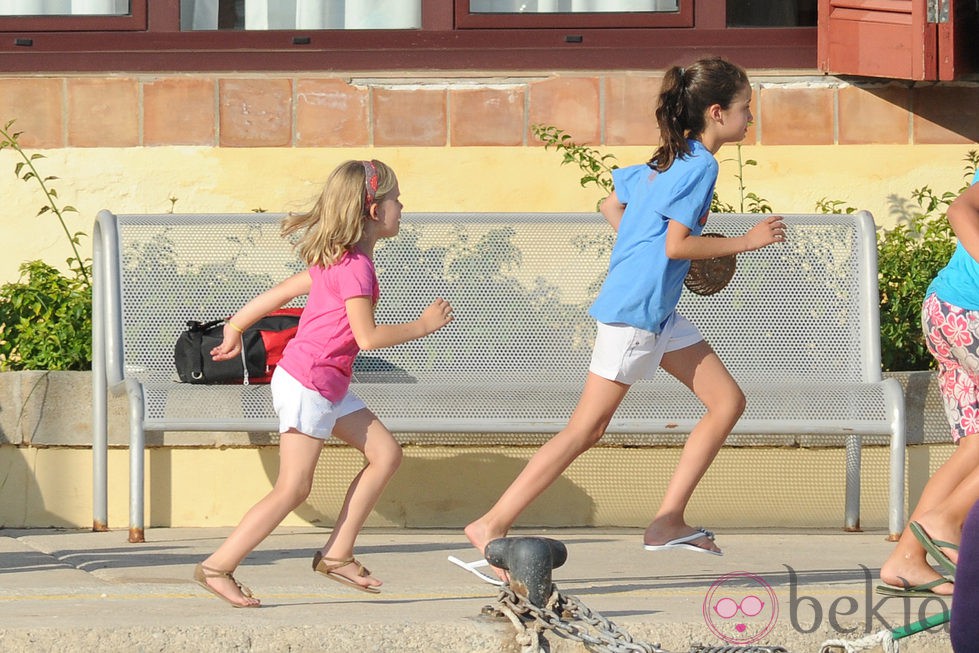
<point x="84" y="591"/>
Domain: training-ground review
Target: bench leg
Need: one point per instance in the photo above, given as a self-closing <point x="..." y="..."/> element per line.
<point x="100" y="448"/>
<point x="137" y="448"/>
<point x="851" y="518"/>
<point x="100" y="411"/>
<point x="895" y="395"/>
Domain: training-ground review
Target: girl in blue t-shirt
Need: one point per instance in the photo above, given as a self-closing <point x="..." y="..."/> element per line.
<point x="659" y="210"/>
<point x="950" y="320"/>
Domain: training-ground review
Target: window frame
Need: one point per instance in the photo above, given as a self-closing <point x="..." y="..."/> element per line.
<point x="134" y="21"/>
<point x="466" y="19"/>
<point x="440" y="45"/>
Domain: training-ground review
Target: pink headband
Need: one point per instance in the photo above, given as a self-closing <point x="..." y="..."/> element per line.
<point x="370" y="184"/>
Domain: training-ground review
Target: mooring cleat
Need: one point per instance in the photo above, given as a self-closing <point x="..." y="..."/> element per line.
<point x="529" y="562"/>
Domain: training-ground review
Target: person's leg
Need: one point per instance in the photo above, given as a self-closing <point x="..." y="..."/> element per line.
<point x="957" y="482"/>
<point x="700" y="369"/>
<point x="908" y="564"/>
<point x="947" y="497"/>
<point x="298" y="454"/>
<point x="363" y="431"/>
<point x="943" y="521"/>
<point x="587" y="425"/>
<point x="964" y="627"/>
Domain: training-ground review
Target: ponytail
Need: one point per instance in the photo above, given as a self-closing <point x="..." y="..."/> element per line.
<point x="671" y="116"/>
<point x="684" y="99"/>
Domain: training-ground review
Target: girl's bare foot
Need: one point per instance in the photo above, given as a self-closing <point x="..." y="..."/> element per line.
<point x="223" y="585"/>
<point x="662" y="532"/>
<point x="903" y="570"/>
<point x="479" y="535"/>
<point x="347" y="570"/>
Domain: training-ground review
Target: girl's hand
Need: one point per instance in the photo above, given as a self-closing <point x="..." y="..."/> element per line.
<point x="436" y="315"/>
<point x="230" y="347"/>
<point x="768" y="231"/>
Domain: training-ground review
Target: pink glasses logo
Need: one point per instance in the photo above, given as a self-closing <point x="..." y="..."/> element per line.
<point x="740" y="608"/>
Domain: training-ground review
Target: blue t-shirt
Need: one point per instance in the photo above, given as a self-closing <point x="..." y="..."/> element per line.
<point x="958" y="282"/>
<point x="643" y="285"/>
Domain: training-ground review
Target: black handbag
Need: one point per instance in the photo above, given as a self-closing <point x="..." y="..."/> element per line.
<point x="261" y="349"/>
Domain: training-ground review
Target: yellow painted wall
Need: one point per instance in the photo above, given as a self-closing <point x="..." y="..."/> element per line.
<point x="509" y="179"/>
<point x="746" y="487"/>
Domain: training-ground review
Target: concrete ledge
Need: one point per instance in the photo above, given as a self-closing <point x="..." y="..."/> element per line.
<point x="446" y="487"/>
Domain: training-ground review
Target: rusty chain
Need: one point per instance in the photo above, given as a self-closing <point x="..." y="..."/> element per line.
<point x="568" y="617"/>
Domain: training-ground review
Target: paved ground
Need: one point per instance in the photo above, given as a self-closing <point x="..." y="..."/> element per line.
<point x="83" y="591"/>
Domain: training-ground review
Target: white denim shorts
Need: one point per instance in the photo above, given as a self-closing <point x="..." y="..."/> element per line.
<point x="305" y="410"/>
<point x="627" y="354"/>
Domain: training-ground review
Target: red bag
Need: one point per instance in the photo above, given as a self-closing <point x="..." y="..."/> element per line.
<point x="261" y="349"/>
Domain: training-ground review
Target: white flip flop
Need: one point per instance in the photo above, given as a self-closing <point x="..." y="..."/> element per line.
<point x="684" y="543"/>
<point x="472" y="567"/>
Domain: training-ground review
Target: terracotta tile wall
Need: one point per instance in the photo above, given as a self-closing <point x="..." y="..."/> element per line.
<point x="333" y="111"/>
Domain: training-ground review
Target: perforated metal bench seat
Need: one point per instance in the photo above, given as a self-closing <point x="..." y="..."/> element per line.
<point x="798" y="327"/>
<point x="530" y="408"/>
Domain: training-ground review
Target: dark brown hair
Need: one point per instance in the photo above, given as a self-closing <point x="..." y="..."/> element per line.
<point x="683" y="101"/>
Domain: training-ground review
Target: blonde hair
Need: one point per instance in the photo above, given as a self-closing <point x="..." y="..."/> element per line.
<point x="336" y="222"/>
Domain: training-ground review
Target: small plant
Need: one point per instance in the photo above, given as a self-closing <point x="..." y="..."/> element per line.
<point x="46" y="317"/>
<point x="908" y="258"/>
<point x="597" y="169"/>
<point x="824" y="205"/>
<point x="750" y="201"/>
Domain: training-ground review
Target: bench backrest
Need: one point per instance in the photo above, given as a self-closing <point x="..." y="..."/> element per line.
<point x="520" y="284"/>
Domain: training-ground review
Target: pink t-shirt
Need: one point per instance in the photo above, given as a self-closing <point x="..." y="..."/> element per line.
<point x="321" y="356"/>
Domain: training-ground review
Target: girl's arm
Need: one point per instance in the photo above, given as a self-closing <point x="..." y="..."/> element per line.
<point x="254" y="310"/>
<point x="680" y="244"/>
<point x="612" y="209"/>
<point x="963" y="215"/>
<point x="370" y="335"/>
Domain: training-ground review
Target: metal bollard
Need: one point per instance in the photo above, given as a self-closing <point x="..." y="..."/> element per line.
<point x="529" y="561"/>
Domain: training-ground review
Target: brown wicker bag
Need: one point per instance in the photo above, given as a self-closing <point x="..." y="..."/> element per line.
<point x="710" y="275"/>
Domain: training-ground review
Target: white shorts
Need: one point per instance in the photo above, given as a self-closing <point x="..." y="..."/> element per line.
<point x="626" y="354"/>
<point x="305" y="410"/>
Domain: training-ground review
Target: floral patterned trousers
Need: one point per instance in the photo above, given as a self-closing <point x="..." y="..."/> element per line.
<point x="952" y="334"/>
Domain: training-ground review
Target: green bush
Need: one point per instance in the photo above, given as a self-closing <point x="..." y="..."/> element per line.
<point x="46" y="317"/>
<point x="45" y="321"/>
<point x="908" y="258"/>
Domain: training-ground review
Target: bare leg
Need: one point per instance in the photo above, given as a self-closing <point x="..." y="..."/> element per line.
<point x="945" y="501"/>
<point x="587" y="425"/>
<point x="298" y="454"/>
<point x="699" y="368"/>
<point x="366" y="433"/>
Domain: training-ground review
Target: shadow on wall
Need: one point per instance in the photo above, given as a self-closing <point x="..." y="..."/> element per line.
<point x="936" y="109"/>
<point x="438" y="489"/>
<point x="23" y="423"/>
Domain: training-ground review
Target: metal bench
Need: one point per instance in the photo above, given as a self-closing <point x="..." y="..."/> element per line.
<point x="798" y="327"/>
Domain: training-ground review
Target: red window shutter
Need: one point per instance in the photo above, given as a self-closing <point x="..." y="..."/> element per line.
<point x="900" y="39"/>
<point x="879" y="38"/>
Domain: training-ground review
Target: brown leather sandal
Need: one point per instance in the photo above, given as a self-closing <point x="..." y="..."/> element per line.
<point x="327" y="567"/>
<point x="203" y="572"/>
